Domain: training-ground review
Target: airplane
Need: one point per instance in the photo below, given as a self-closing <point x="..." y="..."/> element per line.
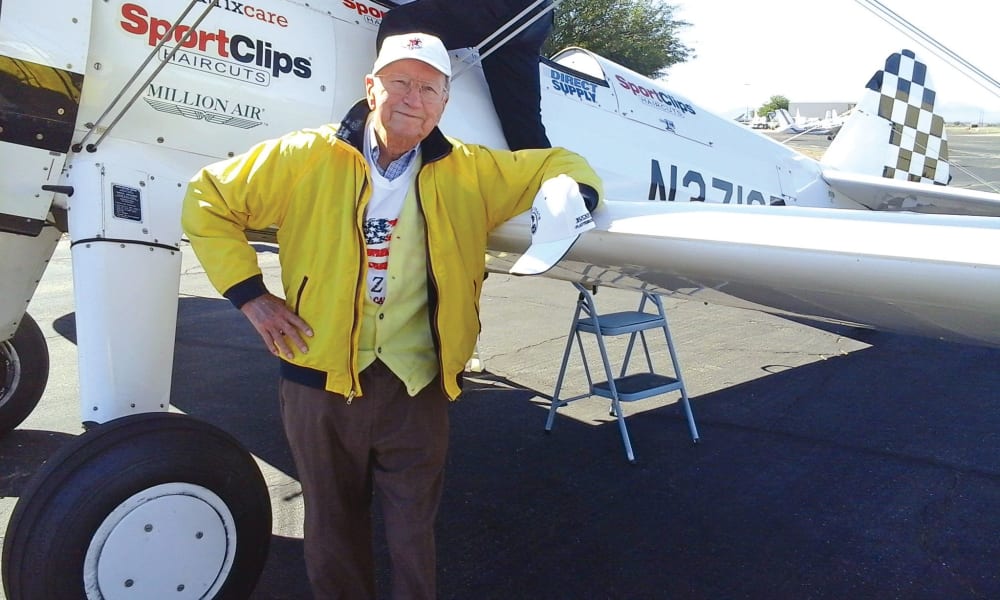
<point x="754" y="121"/>
<point x="108" y="108"/>
<point x="828" y="126"/>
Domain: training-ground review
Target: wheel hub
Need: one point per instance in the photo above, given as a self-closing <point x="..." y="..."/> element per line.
<point x="10" y="371"/>
<point x="175" y="540"/>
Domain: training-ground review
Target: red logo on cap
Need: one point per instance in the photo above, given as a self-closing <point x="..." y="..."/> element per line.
<point x="415" y="44"/>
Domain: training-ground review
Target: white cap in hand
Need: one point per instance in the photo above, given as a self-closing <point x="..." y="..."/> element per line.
<point x="558" y="216"/>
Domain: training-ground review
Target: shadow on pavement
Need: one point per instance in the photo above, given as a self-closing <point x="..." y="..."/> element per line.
<point x="66" y="326"/>
<point x="223" y="375"/>
<point x="836" y="479"/>
<point x="869" y="475"/>
<point x="23" y="452"/>
<point x="284" y="576"/>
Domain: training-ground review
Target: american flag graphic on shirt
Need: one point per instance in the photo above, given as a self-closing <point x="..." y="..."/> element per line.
<point x="378" y="234"/>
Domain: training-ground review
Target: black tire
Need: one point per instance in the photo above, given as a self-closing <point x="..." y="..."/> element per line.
<point x="24" y="371"/>
<point x="82" y="491"/>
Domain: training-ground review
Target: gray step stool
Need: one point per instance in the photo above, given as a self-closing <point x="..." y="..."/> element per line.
<point x="625" y="387"/>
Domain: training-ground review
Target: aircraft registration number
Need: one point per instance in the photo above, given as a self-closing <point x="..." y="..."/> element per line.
<point x="694" y="181"/>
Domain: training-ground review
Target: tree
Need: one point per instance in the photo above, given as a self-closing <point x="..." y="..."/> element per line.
<point x="639" y="34"/>
<point x="772" y="105"/>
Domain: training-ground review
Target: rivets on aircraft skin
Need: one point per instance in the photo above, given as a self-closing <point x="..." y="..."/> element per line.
<point x="159" y="140"/>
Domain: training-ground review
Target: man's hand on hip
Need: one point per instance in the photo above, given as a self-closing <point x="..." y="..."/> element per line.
<point x="276" y="324"/>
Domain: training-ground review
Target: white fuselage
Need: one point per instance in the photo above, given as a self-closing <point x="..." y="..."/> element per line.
<point x="245" y="73"/>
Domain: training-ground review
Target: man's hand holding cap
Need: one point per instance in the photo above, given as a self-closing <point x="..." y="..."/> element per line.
<point x="558" y="216"/>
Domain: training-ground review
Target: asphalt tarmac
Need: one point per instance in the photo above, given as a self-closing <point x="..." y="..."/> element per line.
<point x="834" y="462"/>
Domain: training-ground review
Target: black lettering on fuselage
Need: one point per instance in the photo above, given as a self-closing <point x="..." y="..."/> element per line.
<point x="695" y="177"/>
<point x="731" y="193"/>
<point x="657" y="187"/>
<point x="727" y="189"/>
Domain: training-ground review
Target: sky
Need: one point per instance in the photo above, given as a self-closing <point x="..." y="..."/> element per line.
<point x="826" y="51"/>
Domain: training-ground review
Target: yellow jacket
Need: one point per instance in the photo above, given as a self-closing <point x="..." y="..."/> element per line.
<point x="313" y="185"/>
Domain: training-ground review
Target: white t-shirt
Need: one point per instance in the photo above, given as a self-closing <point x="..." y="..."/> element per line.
<point x="381" y="217"/>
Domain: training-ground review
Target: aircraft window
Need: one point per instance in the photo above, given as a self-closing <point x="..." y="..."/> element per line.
<point x="570" y="70"/>
<point x="581" y="63"/>
<point x="563" y="81"/>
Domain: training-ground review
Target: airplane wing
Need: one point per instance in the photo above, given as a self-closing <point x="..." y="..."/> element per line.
<point x="900" y="272"/>
<point x="879" y="193"/>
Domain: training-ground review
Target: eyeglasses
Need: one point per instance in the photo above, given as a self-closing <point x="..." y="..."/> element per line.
<point x="400" y="85"/>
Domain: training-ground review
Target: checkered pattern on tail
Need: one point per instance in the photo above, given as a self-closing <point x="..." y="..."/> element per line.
<point x="918" y="144"/>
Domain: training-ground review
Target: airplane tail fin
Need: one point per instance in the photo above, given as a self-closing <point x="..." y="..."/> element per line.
<point x="783" y="118"/>
<point x="894" y="131"/>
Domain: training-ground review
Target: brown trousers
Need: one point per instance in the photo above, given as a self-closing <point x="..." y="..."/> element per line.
<point x="384" y="443"/>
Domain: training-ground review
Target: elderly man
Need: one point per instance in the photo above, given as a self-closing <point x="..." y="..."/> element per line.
<point x="511" y="70"/>
<point x="383" y="224"/>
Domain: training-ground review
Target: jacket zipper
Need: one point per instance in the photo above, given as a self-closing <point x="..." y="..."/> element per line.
<point x="298" y="296"/>
<point x="358" y="284"/>
<point x="432" y="280"/>
<point x="475" y="304"/>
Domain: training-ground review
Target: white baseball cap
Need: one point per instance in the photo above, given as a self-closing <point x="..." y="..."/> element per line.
<point x="418" y="46"/>
<point x="558" y="217"/>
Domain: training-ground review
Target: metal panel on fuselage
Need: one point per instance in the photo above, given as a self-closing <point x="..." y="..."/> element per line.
<point x="42" y="54"/>
<point x="53" y="34"/>
<point x="652" y="144"/>
<point x="243" y="76"/>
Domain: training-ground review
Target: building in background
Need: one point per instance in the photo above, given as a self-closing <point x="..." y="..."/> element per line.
<point x="819" y="110"/>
